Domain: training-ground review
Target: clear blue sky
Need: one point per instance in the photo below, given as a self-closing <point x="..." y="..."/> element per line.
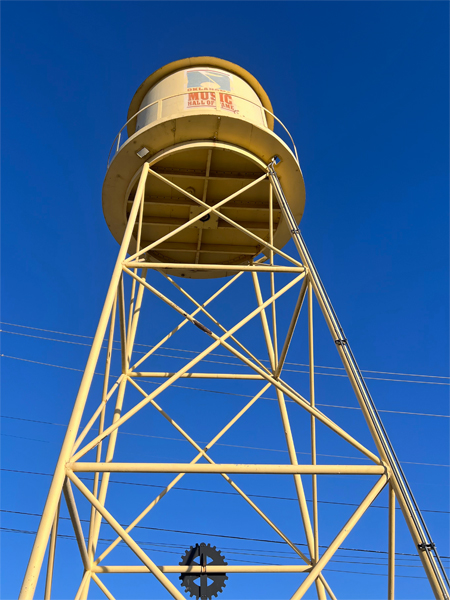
<point x="363" y="88"/>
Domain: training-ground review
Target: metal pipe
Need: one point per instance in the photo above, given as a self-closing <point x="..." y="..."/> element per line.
<point x="272" y="276"/>
<point x="127" y="341"/>
<point x="292" y="325"/>
<point x="42" y="536"/>
<point x="391" y="545"/>
<point x="224" y="475"/>
<point x="84" y="581"/>
<point x="299" y="488"/>
<point x="216" y="569"/>
<point x="327" y="588"/>
<point x="184" y="369"/>
<point x="317" y="569"/>
<point x="214" y="209"/>
<point x="78" y="530"/>
<point x="204" y="194"/>
<point x="110" y="467"/>
<point x="312" y="399"/>
<point x="135" y="319"/>
<point x="204" y="311"/>
<point x="126" y="538"/>
<point x="432" y="564"/>
<point x="289" y="439"/>
<point x="264" y="323"/>
<point x="288" y="391"/>
<point x="109" y="456"/>
<point x="197" y="375"/>
<point x="284" y="416"/>
<point x="100" y="429"/>
<point x="176" y="479"/>
<point x="209" y="267"/>
<point x="138" y="247"/>
<point x="100" y="408"/>
<point x="190" y="222"/>
<point x="122" y="325"/>
<point x="184" y="322"/>
<point x="102" y="586"/>
<point x="51" y="555"/>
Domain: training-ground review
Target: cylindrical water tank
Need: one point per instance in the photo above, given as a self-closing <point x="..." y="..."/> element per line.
<point x="206" y="125"/>
<point x="201" y="89"/>
<point x="192" y="83"/>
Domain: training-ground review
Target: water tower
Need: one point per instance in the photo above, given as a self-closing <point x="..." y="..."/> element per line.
<point x="199" y="186"/>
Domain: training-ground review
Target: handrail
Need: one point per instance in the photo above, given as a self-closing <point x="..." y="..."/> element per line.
<point x="161" y="100"/>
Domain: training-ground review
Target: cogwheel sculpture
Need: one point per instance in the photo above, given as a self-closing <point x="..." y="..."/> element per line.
<point x="211" y="584"/>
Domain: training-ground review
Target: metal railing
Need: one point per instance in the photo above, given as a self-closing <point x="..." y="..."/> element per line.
<point x="121" y="138"/>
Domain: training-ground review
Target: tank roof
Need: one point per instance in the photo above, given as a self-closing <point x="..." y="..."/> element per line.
<point x="196" y="61"/>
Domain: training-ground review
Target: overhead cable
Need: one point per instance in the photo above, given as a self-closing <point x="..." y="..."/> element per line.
<point x="227" y="356"/>
<point x="217" y="492"/>
<point x="400" y="554"/>
<point x="160" y="437"/>
<point x="399" y="412"/>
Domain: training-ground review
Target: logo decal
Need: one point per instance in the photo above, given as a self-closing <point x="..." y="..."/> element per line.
<point x="204" y="85"/>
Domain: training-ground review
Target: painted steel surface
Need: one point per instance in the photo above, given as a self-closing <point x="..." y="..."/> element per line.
<point x="200" y="88"/>
<point x="203" y="204"/>
<point x="211" y="62"/>
<point x="206" y="125"/>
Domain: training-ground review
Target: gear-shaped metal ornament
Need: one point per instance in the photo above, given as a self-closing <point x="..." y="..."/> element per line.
<point x="210" y="584"/>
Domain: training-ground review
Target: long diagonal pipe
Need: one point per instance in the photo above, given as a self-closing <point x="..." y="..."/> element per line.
<point x="429" y="556"/>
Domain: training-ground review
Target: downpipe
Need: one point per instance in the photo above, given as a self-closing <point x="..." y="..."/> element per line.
<point x="417" y="526"/>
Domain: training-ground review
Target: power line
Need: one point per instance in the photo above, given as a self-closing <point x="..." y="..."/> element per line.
<point x="399" y="412"/>
<point x="228" y="363"/>
<point x="400" y="554"/>
<point x="241" y="552"/>
<point x="445" y="512"/>
<point x="227" y="356"/>
<point x="159" y="437"/>
<point x="149" y="544"/>
<point x="231" y="394"/>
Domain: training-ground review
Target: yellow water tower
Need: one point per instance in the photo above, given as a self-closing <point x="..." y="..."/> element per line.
<point x="199" y="185"/>
<point x="205" y="125"/>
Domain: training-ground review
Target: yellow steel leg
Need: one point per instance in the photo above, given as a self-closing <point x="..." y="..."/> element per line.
<point x="391" y="555"/>
<point x="48" y="514"/>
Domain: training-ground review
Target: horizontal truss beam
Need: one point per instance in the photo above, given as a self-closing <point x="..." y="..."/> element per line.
<point x="110" y="467"/>
<point x="208" y="267"/>
<point x="219" y="175"/>
<point x="212" y="569"/>
<point x="197" y="375"/>
<point x="238" y="249"/>
<point x="157" y="221"/>
<point x="183" y="201"/>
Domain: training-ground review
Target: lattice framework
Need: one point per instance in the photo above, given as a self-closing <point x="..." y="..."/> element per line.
<point x="304" y="280"/>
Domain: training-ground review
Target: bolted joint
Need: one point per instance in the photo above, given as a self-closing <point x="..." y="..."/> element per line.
<point x="424" y="546"/>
